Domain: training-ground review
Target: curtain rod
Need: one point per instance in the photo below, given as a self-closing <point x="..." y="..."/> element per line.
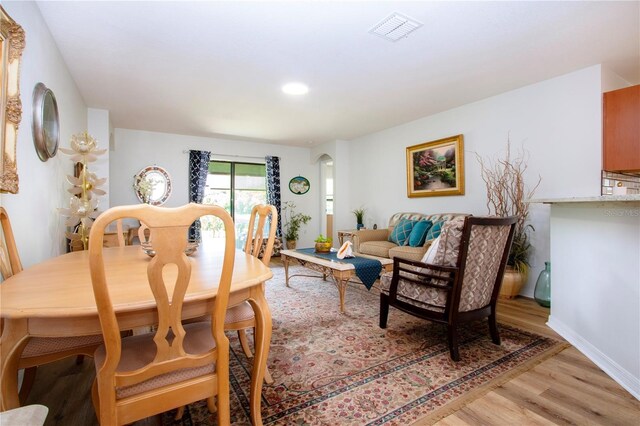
<point x="229" y="155"/>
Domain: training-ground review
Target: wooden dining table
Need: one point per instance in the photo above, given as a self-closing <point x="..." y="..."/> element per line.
<point x="55" y="299"/>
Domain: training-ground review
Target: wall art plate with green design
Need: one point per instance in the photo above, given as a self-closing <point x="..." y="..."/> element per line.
<point x="299" y="185"/>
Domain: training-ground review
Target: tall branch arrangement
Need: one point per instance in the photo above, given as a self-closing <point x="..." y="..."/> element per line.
<point x="83" y="204"/>
<point x="506" y="195"/>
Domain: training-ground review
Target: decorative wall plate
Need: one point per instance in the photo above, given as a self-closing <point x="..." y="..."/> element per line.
<point x="159" y="185"/>
<point x="299" y="185"/>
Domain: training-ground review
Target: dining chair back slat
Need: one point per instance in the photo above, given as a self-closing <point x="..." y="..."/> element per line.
<point x="121" y="241"/>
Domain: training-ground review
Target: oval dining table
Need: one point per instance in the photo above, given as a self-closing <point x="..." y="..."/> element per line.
<point x="55" y="299"/>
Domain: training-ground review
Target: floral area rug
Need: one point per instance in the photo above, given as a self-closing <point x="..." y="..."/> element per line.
<point x="343" y="369"/>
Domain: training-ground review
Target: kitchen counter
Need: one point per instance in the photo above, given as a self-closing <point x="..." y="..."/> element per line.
<point x="595" y="280"/>
<point x="595" y="199"/>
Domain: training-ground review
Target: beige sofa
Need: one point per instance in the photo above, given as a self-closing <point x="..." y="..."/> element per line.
<point x="375" y="242"/>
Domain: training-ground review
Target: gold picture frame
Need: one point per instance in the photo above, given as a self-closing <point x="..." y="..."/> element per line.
<point x="12" y="42"/>
<point x="436" y="168"/>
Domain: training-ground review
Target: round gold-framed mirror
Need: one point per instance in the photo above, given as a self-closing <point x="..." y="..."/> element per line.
<point x="152" y="185"/>
<point x="46" y="122"/>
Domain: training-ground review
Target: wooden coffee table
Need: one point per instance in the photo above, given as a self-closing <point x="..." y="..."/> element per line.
<point x="339" y="271"/>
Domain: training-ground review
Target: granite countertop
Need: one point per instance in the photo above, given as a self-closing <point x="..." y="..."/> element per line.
<point x="595" y="199"/>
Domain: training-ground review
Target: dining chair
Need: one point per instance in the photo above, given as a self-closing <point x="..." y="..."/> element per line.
<point x="144" y="375"/>
<point x="241" y="317"/>
<point x="39" y="350"/>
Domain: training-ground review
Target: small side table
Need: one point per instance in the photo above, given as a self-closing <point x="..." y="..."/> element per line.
<point x="347" y="234"/>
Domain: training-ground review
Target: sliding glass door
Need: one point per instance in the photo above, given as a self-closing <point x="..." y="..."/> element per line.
<point x="237" y="187"/>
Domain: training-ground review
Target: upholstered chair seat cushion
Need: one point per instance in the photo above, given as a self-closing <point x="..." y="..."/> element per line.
<point x="140" y="350"/>
<point x="38" y="346"/>
<point x="414" y="293"/>
<point x="377" y="248"/>
<point x="238" y="313"/>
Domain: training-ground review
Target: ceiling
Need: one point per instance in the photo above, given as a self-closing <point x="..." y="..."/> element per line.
<point x="215" y="68"/>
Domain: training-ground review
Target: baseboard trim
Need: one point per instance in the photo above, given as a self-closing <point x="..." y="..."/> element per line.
<point x="623" y="377"/>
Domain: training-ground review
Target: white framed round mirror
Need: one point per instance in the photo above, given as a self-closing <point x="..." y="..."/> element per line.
<point x="152" y="185"/>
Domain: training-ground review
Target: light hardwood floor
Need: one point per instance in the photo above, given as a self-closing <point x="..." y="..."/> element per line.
<point x="565" y="389"/>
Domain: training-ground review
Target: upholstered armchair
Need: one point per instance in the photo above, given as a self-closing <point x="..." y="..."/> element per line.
<point x="460" y="280"/>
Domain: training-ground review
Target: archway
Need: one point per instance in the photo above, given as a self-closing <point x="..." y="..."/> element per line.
<point x="326" y="195"/>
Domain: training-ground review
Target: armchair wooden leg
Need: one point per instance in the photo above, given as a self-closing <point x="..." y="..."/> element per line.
<point x="493" y="329"/>
<point x="452" y="334"/>
<point x="384" y="310"/>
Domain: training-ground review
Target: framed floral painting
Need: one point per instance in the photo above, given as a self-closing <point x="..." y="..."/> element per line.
<point x="436" y="168"/>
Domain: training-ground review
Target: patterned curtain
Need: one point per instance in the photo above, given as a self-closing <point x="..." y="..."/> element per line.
<point x="198" y="170"/>
<point x="273" y="188"/>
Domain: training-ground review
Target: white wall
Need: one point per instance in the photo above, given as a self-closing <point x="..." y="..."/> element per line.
<point x="612" y="81"/>
<point x="33" y="211"/>
<point x="98" y="126"/>
<point x="134" y="150"/>
<point x="595" y="284"/>
<point x="558" y="121"/>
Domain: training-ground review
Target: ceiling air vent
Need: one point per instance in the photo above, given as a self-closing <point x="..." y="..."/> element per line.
<point x="395" y="27"/>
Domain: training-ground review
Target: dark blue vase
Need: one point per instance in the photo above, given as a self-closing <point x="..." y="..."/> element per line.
<point x="360" y="225"/>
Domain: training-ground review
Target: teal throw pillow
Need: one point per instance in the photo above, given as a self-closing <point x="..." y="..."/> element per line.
<point x="434" y="231"/>
<point x="419" y="233"/>
<point x="401" y="232"/>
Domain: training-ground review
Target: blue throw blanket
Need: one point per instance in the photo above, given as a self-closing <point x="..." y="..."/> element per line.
<point x="368" y="270"/>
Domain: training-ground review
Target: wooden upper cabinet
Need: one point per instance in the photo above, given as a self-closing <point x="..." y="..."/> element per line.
<point x="621" y="138"/>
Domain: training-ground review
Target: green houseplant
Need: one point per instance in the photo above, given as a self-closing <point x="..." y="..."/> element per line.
<point x="292" y="223"/>
<point x="359" y="213"/>
<point x="323" y="244"/>
<point x="506" y="196"/>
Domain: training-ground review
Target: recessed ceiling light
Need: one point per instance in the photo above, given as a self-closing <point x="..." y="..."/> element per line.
<point x="295" y="88"/>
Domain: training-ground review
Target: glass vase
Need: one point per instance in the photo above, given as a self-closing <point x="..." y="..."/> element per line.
<point x="542" y="293"/>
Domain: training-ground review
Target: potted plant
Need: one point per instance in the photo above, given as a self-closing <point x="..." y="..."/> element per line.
<point x="359" y="213"/>
<point x="292" y="224"/>
<point x="506" y="196"/>
<point x="323" y="244"/>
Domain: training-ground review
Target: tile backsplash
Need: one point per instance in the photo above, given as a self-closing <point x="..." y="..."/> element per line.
<point x="620" y="183"/>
